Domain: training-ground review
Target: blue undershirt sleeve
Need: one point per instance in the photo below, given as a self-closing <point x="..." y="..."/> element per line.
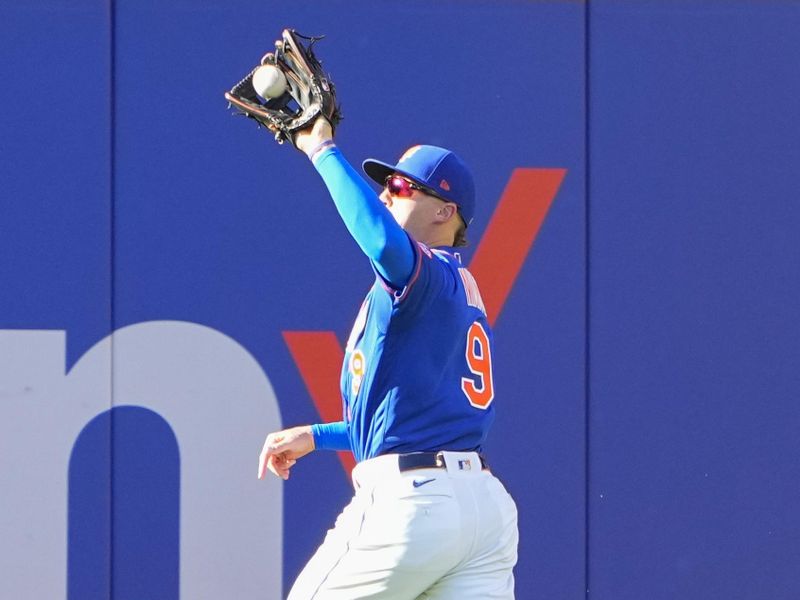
<point x="331" y="436"/>
<point x="367" y="219"/>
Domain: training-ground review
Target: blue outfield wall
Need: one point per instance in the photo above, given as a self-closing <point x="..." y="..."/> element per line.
<point x="158" y="255"/>
<point x="694" y="275"/>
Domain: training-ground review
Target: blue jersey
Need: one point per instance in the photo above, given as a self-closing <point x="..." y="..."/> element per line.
<point x="417" y="372"/>
<point x="417" y="368"/>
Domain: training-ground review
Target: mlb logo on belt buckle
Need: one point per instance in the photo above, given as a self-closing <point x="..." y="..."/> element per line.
<point x="465" y="465"/>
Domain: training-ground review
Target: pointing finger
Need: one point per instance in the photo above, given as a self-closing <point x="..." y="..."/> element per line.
<point x="267" y="451"/>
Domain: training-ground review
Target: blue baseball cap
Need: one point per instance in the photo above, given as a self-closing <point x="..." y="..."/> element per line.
<point x="439" y="170"/>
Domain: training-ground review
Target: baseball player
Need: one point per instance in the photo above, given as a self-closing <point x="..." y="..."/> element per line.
<point x="428" y="518"/>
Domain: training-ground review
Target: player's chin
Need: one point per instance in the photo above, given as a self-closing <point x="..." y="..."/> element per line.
<point x="402" y="220"/>
<point x="397" y="217"/>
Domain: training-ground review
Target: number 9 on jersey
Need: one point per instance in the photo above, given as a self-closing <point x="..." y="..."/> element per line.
<point x="479" y="389"/>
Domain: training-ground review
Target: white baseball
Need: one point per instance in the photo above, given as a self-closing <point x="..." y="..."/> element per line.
<point x="269" y="81"/>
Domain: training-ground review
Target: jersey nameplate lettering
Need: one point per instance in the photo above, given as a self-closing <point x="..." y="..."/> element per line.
<point x="471" y="290"/>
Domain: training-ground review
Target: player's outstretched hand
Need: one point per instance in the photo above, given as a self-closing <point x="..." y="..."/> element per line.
<point x="282" y="449"/>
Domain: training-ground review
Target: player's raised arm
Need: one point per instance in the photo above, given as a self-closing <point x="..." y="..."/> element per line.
<point x="371" y="225"/>
<point x="292" y="96"/>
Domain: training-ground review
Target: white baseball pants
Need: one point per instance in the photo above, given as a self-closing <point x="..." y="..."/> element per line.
<point x="423" y="534"/>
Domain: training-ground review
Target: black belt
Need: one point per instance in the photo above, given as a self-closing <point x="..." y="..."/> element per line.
<point x="430" y="460"/>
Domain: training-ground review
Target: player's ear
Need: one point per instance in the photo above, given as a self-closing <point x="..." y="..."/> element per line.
<point x="446" y="212"/>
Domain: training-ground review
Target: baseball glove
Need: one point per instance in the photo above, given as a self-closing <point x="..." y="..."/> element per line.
<point x="309" y="91"/>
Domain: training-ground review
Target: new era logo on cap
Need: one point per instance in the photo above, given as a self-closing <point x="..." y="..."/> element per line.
<point x="436" y="168"/>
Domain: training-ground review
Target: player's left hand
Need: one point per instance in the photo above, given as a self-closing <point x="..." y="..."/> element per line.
<point x="282" y="449"/>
